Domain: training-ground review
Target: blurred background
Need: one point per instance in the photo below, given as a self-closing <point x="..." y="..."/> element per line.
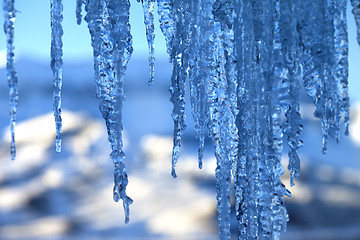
<point x="45" y="195"/>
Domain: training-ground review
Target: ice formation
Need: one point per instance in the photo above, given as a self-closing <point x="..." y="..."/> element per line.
<point x="9" y="20"/>
<point x="109" y="27"/>
<point x="244" y="61"/>
<point x="56" y="15"/>
<point x="148" y="6"/>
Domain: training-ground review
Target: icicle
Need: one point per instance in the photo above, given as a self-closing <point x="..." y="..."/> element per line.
<point x="313" y="27"/>
<point x="112" y="50"/>
<point x="167" y="13"/>
<point x="148" y="6"/>
<point x="197" y="72"/>
<point x="267" y="124"/>
<point x="223" y="11"/>
<point x="56" y="15"/>
<point x="356" y="11"/>
<point x="183" y="14"/>
<point x="226" y="88"/>
<point x="244" y="60"/>
<point x="281" y="55"/>
<point x="293" y="130"/>
<point x="9" y="15"/>
<point x="167" y="24"/>
<point x="278" y="214"/>
<point x="223" y="131"/>
<point x="256" y="118"/>
<point x="273" y="214"/>
<point x="268" y="114"/>
<point x="330" y="91"/>
<point x="289" y="89"/>
<point x="245" y="123"/>
<point x="79" y="4"/>
<point x="240" y="175"/>
<point x="341" y="68"/>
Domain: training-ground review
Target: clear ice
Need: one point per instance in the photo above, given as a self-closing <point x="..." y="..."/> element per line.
<point x="245" y="66"/>
<point x="56" y="15"/>
<point x="79" y="4"/>
<point x="244" y="61"/>
<point x="108" y="22"/>
<point x="148" y="6"/>
<point x="9" y="20"/>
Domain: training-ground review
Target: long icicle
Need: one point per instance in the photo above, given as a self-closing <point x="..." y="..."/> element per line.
<point x="272" y="131"/>
<point x="223" y="131"/>
<point x="180" y="60"/>
<point x="223" y="109"/>
<point x="240" y="175"/>
<point x="9" y="15"/>
<point x="289" y="89"/>
<point x="196" y="78"/>
<point x="56" y="16"/>
<point x="112" y="50"/>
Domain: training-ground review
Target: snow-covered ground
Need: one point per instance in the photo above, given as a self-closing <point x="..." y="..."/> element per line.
<point x="45" y="195"/>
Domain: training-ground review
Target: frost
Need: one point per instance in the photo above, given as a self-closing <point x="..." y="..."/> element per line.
<point x="244" y="62"/>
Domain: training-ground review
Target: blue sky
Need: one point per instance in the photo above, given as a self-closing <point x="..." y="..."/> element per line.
<point x="32" y="37"/>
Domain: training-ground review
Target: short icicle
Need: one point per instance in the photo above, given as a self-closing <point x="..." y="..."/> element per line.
<point x="167" y="24"/>
<point x="79" y="4"/>
<point x="148" y="7"/>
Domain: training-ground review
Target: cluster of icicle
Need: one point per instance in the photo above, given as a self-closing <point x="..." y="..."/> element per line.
<point x="244" y="61"/>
